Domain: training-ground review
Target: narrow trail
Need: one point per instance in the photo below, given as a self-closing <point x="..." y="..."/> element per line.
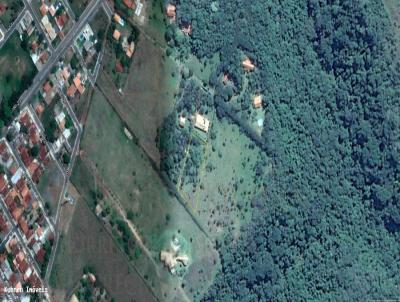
<point x="118" y="206"/>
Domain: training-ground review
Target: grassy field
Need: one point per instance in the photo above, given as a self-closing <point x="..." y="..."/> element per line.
<point x="154" y="24"/>
<point x="129" y="174"/>
<point x="17" y="69"/>
<point x="202" y="69"/>
<point x="149" y="93"/>
<point x="14" y="7"/>
<point x="78" y="6"/>
<point x="50" y="186"/>
<point x="87" y="243"/>
<point x="221" y="198"/>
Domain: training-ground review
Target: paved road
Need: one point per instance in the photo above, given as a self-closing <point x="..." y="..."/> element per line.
<point x="69" y="10"/>
<point x="59" y="51"/>
<point x="10" y="31"/>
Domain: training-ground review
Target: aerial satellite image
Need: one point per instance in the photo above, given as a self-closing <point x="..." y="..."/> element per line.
<point x="199" y="150"/>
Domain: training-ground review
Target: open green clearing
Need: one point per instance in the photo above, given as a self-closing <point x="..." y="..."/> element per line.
<point x="154" y="25"/>
<point x="17" y="71"/>
<point x="149" y="92"/>
<point x="78" y="6"/>
<point x="221" y="198"/>
<point x="13" y="8"/>
<point x="129" y="174"/>
<point x="88" y="244"/>
<point x="50" y="186"/>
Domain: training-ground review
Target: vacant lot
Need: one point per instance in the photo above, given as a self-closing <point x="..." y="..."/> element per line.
<point x="13" y="8"/>
<point x="149" y="93"/>
<point x="78" y="6"/>
<point x="129" y="174"/>
<point x="50" y="186"/>
<point x="155" y="21"/>
<point x="17" y="69"/>
<point x="87" y="243"/>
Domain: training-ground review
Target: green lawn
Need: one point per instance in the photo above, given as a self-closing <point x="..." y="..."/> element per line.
<point x="17" y="69"/>
<point x="14" y="7"/>
<point x="78" y="6"/>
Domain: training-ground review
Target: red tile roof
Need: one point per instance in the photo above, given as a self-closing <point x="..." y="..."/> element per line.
<point x="24" y="227"/>
<point x="25" y="119"/>
<point x="21" y="183"/>
<point x="26" y="158"/>
<point x="33" y="134"/>
<point x="42" y="152"/>
<point x="40" y="255"/>
<point x="32" y="167"/>
<point x="47" y="87"/>
<point x="16" y="214"/>
<point x="2" y="147"/>
<point x="130" y="3"/>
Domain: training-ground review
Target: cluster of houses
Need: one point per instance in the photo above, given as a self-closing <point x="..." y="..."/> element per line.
<point x="17" y="271"/>
<point x="37" y="45"/>
<point x="31" y="146"/>
<point x="19" y="198"/>
<point x="198" y="120"/>
<point x="55" y="19"/>
<point x="55" y="111"/>
<point x="86" y="43"/>
<point x="121" y="36"/>
<point x="170" y="11"/>
<point x="134" y="5"/>
<point x="72" y="81"/>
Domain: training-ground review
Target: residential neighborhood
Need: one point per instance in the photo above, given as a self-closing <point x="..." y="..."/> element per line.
<point x="42" y="137"/>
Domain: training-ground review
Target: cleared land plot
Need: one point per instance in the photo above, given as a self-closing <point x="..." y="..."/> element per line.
<point x="50" y="186"/>
<point x="222" y="196"/>
<point x="148" y="94"/>
<point x="129" y="174"/>
<point x="78" y="6"/>
<point x="13" y="8"/>
<point x="202" y="68"/>
<point x="154" y="24"/>
<point x="88" y="243"/>
<point x="17" y="70"/>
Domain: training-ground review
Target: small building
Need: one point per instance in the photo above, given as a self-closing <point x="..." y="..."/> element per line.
<point x="117" y="34"/>
<point x="201" y="122"/>
<point x="74" y="298"/>
<point x="119" y="20"/>
<point x="128" y="133"/>
<point x="248" y="65"/>
<point x="43" y="9"/>
<point x="60" y="117"/>
<point x="257" y="101"/>
<point x="182" y="121"/>
<point x="130" y="49"/>
<point x="187" y="30"/>
<point x="71" y="90"/>
<point x="171" y="11"/>
<point x="130" y="4"/>
<point x="91" y="278"/>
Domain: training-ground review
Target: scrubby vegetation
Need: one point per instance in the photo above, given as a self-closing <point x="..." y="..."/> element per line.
<point x="327" y="225"/>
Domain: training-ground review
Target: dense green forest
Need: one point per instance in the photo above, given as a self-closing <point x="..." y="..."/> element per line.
<point x="327" y="226"/>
